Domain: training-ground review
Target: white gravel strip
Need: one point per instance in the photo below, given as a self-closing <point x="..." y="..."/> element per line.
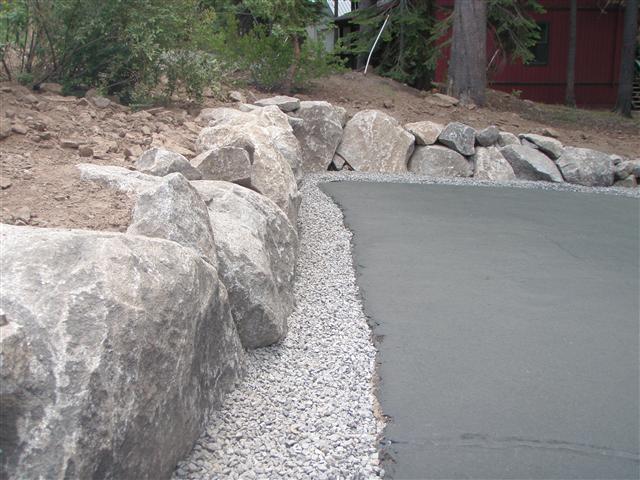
<point x="306" y="406"/>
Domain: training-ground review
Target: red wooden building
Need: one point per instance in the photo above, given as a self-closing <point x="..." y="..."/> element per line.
<point x="598" y="49"/>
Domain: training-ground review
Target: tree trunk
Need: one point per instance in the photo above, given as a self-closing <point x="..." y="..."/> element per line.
<point x="468" y="61"/>
<point x="625" y="82"/>
<point x="293" y="69"/>
<point x="362" y="57"/>
<point x="570" y="94"/>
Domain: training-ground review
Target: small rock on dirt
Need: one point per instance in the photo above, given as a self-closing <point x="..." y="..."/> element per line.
<point x="51" y="88"/>
<point x="100" y="102"/>
<point x="85" y="151"/>
<point x="5" y="127"/>
<point x="22" y="215"/>
<point x="236" y="96"/>
<point x="443" y="100"/>
<point x="69" y="143"/>
<point x="20" y="129"/>
<point x="4" y="183"/>
<point x="550" y="132"/>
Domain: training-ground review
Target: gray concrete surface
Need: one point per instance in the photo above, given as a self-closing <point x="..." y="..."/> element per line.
<point x="507" y="322"/>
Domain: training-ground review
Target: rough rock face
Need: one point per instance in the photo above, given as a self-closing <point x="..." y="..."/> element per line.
<point x="459" y="137"/>
<point x="161" y="162"/>
<point x="275" y="125"/>
<point x="230" y="164"/>
<point x="342" y="114"/>
<point x="488" y="136"/>
<point x="215" y="116"/>
<point x="373" y="141"/>
<point x="550" y="146"/>
<point x="166" y="207"/>
<point x="118" y="178"/>
<point x="271" y="174"/>
<point x="283" y="102"/>
<point x="629" y="182"/>
<point x="114" y="350"/>
<point x="257" y="248"/>
<point x="623" y="169"/>
<point x="489" y="164"/>
<point x="319" y="133"/>
<point x="438" y="161"/>
<point x="173" y="210"/>
<point x="586" y="167"/>
<point x="506" y="138"/>
<point x="426" y="132"/>
<point x="530" y="164"/>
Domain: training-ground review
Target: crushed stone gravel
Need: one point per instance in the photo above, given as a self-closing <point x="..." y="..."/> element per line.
<point x="306" y="407"/>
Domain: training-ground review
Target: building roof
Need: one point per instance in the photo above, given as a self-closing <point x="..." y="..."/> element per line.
<point x="344" y="6"/>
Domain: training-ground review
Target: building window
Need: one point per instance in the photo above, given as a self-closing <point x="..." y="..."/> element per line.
<point x="540" y="50"/>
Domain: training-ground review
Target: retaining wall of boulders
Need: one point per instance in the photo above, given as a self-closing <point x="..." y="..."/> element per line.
<point x="116" y="346"/>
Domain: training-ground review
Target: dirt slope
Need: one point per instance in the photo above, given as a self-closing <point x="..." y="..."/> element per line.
<point x="44" y="135"/>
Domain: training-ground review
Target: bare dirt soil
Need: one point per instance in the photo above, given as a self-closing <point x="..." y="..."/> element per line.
<point x="44" y="135"/>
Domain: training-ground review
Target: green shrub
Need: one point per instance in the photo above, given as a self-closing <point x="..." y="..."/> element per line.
<point x="268" y="58"/>
<point x="122" y="46"/>
<point x="266" y="54"/>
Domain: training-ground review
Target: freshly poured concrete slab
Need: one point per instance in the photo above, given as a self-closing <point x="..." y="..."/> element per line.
<point x="508" y="322"/>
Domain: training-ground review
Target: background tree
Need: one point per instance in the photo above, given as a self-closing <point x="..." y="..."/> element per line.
<point x="629" y="44"/>
<point x="366" y="7"/>
<point x="416" y="35"/>
<point x="570" y="93"/>
<point x="468" y="62"/>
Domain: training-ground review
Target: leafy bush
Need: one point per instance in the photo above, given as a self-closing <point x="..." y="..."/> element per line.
<point x="267" y="57"/>
<point x="267" y="40"/>
<point x="122" y="46"/>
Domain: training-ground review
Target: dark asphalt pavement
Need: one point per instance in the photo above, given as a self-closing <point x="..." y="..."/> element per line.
<point x="508" y="322"/>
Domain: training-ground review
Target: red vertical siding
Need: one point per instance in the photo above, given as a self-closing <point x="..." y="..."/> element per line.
<point x="599" y="37"/>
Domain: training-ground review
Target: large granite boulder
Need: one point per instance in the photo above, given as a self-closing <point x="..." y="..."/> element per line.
<point x="547" y="145"/>
<point x="161" y="162"/>
<point x="257" y="248"/>
<point x="488" y="136"/>
<point x="271" y="173"/>
<point x="118" y="178"/>
<point x="531" y="164"/>
<point x="507" y="138"/>
<point x="166" y="207"/>
<point x="373" y="141"/>
<point x="270" y="120"/>
<point x="214" y="116"/>
<point x="459" y="137"/>
<point x="438" y="161"/>
<point x="319" y="133"/>
<point x="115" y="348"/>
<point x="425" y="132"/>
<point x="490" y="164"/>
<point x="586" y="167"/>
<point x="623" y="169"/>
<point x="173" y="210"/>
<point x="229" y="164"/>
<point x="283" y="102"/>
